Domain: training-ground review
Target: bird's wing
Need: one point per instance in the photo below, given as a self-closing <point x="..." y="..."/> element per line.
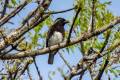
<point x="50" y="33"/>
<point x="48" y="37"/>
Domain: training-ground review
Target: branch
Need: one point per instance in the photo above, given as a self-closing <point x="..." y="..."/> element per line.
<point x="14" y="46"/>
<point x="60" y="54"/>
<point x="70" y="32"/>
<point x="40" y="77"/>
<point x="82" y="48"/>
<point x="25" y="67"/>
<point x="81" y="75"/>
<point x="102" y="69"/>
<point x="31" y="14"/>
<point x="12" y="14"/>
<point x="28" y="72"/>
<point x="96" y="57"/>
<point x="93" y="16"/>
<point x="84" y="37"/>
<point x="15" y="35"/>
<point x="4" y="9"/>
<point x="63" y="11"/>
<point x="105" y="42"/>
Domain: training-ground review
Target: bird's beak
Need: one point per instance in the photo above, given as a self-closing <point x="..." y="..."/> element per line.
<point x="66" y="21"/>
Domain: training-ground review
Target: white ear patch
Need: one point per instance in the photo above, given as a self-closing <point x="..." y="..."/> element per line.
<point x="55" y="38"/>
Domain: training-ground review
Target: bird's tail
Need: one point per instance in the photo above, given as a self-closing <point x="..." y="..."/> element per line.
<point x="51" y="58"/>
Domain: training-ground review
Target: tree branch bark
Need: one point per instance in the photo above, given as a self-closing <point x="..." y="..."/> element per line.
<point x="84" y="37"/>
<point x="5" y="19"/>
<point x="15" y="35"/>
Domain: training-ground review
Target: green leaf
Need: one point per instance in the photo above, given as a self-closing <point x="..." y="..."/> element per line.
<point x="114" y="72"/>
<point x="117" y="35"/>
<point x="118" y="71"/>
<point x="49" y="21"/>
<point x="14" y="2"/>
<point x="9" y="5"/>
<point x="53" y="73"/>
<point x="36" y="35"/>
<point x="107" y="3"/>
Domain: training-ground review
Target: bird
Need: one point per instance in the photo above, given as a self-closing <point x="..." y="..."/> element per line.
<point x="55" y="35"/>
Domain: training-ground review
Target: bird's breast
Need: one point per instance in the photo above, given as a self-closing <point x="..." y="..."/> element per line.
<point x="56" y="38"/>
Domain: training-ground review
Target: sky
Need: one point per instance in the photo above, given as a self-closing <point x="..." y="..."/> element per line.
<point x="71" y="58"/>
<point x="114" y="7"/>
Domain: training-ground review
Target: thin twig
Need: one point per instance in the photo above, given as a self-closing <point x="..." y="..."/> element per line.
<point x="65" y="61"/>
<point x="31" y="14"/>
<point x="4" y="8"/>
<point x="106" y="41"/>
<point x="63" y="11"/>
<point x="14" y="46"/>
<point x="15" y="73"/>
<point x="24" y="69"/>
<point x="40" y="77"/>
<point x="102" y="69"/>
<point x="94" y="60"/>
<point x="81" y="75"/>
<point x="28" y="72"/>
<point x="12" y="14"/>
<point x="93" y="16"/>
<point x="70" y="32"/>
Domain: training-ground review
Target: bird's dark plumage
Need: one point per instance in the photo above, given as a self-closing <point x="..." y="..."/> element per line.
<point x="55" y="35"/>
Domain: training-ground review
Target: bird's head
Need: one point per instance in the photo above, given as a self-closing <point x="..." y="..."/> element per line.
<point x="61" y="21"/>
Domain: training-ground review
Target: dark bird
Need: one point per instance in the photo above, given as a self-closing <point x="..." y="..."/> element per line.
<point x="55" y="36"/>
